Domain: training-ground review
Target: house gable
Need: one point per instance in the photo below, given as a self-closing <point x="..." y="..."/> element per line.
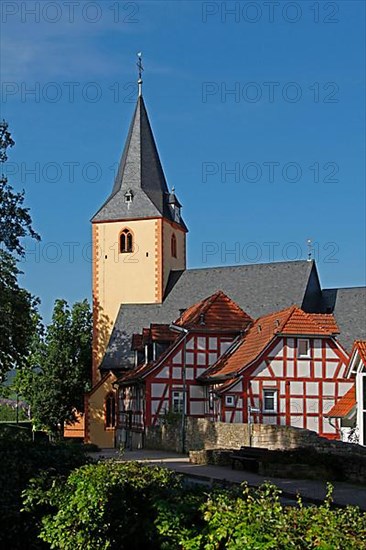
<point x="305" y="388"/>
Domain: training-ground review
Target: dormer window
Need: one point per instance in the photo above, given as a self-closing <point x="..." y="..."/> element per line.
<point x="125" y="241"/>
<point x="174" y="206"/>
<point x="176" y="213"/>
<point x="128" y="196"/>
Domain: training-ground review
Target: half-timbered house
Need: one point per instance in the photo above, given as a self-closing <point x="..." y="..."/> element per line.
<point x="169" y="382"/>
<point x="286" y="368"/>
<point x="349" y="412"/>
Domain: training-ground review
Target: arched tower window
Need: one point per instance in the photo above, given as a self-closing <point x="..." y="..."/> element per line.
<point x="173" y="244"/>
<point x="126" y="241"/>
<point x="110" y="411"/>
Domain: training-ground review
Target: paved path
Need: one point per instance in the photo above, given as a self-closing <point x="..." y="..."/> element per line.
<point x="313" y="490"/>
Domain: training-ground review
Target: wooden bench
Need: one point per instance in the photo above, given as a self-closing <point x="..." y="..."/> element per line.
<point x="249" y="457"/>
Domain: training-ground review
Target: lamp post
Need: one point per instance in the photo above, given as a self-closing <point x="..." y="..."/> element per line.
<point x="184" y="331"/>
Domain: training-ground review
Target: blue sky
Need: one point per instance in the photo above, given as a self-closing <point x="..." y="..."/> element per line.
<point x="260" y="170"/>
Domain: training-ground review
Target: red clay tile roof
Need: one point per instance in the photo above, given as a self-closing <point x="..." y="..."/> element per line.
<point x="145" y="336"/>
<point x="344" y="405"/>
<point x="303" y="323"/>
<point x="218" y="312"/>
<point x="326" y="320"/>
<point x="155" y="333"/>
<point x="361" y="348"/>
<point x="137" y="342"/>
<point x="135" y="374"/>
<point x="161" y="333"/>
<point x="289" y="321"/>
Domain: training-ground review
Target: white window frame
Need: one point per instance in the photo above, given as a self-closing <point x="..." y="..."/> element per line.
<point x="275" y="400"/>
<point x="177" y="401"/>
<point x="229" y="401"/>
<point x="361" y="406"/>
<point x="305" y="355"/>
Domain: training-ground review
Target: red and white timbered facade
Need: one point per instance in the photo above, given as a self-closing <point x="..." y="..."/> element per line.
<point x="287" y="387"/>
<point x="286" y="368"/>
<point x="349" y="412"/>
<point x="179" y="374"/>
<point x="160" y="390"/>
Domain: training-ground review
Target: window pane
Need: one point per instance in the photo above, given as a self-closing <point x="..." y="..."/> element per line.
<point x="177" y="402"/>
<point x="123" y="242"/>
<point x="269" y="400"/>
<point x="303" y="347"/>
<point x="268" y="403"/>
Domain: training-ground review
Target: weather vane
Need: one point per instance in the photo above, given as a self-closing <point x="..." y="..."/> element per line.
<point x="140" y="68"/>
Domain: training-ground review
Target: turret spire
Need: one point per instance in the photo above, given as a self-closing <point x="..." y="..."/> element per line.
<point x="140" y="189"/>
<point x="140" y="68"/>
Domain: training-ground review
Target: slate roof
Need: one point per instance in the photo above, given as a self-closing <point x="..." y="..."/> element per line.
<point x="140" y="172"/>
<point x="349" y="308"/>
<point x="257" y="288"/>
<point x="344" y="405"/>
<point x="289" y="321"/>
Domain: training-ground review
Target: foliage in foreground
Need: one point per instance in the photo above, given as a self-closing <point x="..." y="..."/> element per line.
<point x="9" y="413"/>
<point x="130" y="506"/>
<point x="21" y="460"/>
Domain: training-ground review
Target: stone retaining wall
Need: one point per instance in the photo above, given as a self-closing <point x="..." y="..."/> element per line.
<point x="200" y="434"/>
<point x="204" y="435"/>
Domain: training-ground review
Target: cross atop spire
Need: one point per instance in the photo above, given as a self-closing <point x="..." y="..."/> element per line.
<point x="140" y="68"/>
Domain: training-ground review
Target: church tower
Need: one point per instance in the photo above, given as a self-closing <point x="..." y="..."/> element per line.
<point x="139" y="236"/>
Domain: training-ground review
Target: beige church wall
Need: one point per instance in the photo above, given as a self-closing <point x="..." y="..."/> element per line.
<point x="171" y="263"/>
<point x="96" y="432"/>
<point x="123" y="278"/>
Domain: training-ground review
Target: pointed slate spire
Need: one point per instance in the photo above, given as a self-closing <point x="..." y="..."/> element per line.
<point x="140" y="189"/>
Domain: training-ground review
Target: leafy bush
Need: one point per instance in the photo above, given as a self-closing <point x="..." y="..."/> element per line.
<point x="10" y="413"/>
<point x="21" y="460"/>
<point x="131" y="506"/>
<point x="257" y="520"/>
<point x="108" y="505"/>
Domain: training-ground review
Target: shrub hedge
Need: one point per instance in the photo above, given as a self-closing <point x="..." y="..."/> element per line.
<point x="132" y="506"/>
<point x="20" y="460"/>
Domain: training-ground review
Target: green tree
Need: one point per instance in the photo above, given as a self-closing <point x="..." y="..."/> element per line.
<point x="15" y="220"/>
<point x="17" y="306"/>
<point x="17" y="317"/>
<point x="60" y="370"/>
